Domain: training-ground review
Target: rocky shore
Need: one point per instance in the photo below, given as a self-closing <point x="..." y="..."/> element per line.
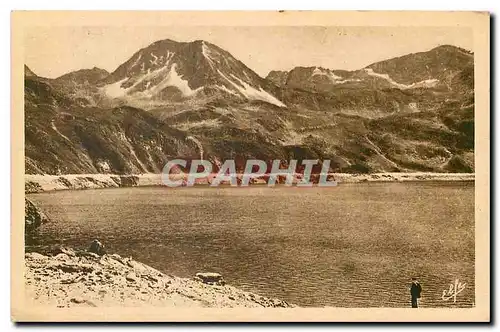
<point x="63" y="277"/>
<point x="43" y="182"/>
<point x="403" y="177"/>
<point x="33" y="217"/>
<point x="68" y="278"/>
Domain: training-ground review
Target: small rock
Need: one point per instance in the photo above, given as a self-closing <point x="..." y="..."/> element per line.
<point x="152" y="278"/>
<point x="90" y="303"/>
<point x="77" y="300"/>
<point x="131" y="277"/>
<point x="132" y="264"/>
<point x="231" y="297"/>
<point x="62" y="250"/>
<point x="68" y="281"/>
<point x="62" y="257"/>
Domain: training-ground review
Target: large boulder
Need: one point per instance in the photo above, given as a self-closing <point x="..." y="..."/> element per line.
<point x="97" y="247"/>
<point x="210" y="278"/>
<point x="33" y="217"/>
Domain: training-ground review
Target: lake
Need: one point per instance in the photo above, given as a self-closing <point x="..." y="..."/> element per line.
<point x="354" y="245"/>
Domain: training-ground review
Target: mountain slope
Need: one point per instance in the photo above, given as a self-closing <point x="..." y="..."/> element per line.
<point x="202" y="101"/>
<point x="412" y="82"/>
<point x="63" y="137"/>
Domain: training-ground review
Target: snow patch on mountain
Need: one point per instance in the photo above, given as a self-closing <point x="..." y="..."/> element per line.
<point x="206" y="53"/>
<point x="336" y="79"/>
<point x="348" y="80"/>
<point x="331" y="75"/>
<point x="154" y="62"/>
<point x="250" y="92"/>
<point x="53" y="125"/>
<point x="173" y="79"/>
<point x="430" y="83"/>
<point x="223" y="88"/>
<point x="115" y="90"/>
<point x="422" y="84"/>
<point x="136" y="60"/>
<point x="150" y="75"/>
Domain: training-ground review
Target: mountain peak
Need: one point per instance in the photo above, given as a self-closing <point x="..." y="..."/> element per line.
<point x="452" y="48"/>
<point x="170" y="70"/>
<point x="278" y="77"/>
<point x="82" y="76"/>
<point x="435" y="64"/>
<point x="169" y="43"/>
<point x="163" y="41"/>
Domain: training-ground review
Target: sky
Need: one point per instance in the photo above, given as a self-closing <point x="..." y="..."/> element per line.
<point x="54" y="51"/>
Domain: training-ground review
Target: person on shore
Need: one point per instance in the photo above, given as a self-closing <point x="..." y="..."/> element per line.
<point x="415" y="291"/>
<point x="97" y="247"/>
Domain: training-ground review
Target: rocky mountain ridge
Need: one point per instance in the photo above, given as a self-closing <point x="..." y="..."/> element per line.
<point x="171" y="99"/>
<point x="435" y="68"/>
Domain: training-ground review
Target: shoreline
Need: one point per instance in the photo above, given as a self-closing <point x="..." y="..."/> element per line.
<point x="35" y="183"/>
<point x="69" y="278"/>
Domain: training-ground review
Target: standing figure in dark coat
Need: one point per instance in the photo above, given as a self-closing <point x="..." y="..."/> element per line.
<point x="415" y="291"/>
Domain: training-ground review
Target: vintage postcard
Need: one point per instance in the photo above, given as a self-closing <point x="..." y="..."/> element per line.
<point x="250" y="166"/>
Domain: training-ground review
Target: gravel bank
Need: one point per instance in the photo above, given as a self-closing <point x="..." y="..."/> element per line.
<point x="69" y="279"/>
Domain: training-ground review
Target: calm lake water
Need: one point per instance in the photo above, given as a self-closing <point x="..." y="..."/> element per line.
<point x="355" y="245"/>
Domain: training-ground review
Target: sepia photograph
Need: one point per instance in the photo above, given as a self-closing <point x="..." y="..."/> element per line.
<point x="214" y="161"/>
